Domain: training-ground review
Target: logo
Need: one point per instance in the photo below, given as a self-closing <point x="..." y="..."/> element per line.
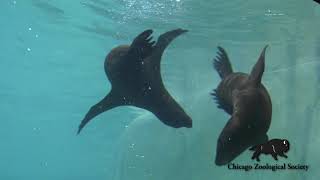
<point x="275" y="148"/>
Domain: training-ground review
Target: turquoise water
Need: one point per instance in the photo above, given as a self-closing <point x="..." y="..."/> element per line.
<point x="51" y="64"/>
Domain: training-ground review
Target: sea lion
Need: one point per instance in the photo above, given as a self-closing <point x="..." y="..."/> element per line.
<point x="275" y="147"/>
<point x="134" y="73"/>
<point x="244" y="97"/>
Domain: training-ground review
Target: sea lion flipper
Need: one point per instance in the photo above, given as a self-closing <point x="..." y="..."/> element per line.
<point x="142" y="46"/>
<point x="223" y="66"/>
<point x="258" y="69"/>
<point x="107" y="103"/>
<point x="164" y="40"/>
<point x="221" y="103"/>
<point x="222" y="63"/>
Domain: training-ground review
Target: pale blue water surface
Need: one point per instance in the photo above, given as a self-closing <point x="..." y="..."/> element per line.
<point x="51" y="64"/>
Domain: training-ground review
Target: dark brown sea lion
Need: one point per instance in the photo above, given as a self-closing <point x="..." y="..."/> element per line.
<point x="275" y="147"/>
<point x="134" y="73"/>
<point x="247" y="101"/>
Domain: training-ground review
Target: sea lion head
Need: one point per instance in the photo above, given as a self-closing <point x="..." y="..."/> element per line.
<point x="229" y="146"/>
<point x="113" y="61"/>
<point x="118" y="52"/>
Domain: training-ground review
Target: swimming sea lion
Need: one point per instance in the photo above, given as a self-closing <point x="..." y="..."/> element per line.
<point x="134" y="73"/>
<point x="244" y="97"/>
<point x="274" y="147"/>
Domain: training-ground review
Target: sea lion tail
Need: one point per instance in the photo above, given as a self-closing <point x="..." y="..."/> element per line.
<point x="165" y="39"/>
<point x="222" y="63"/>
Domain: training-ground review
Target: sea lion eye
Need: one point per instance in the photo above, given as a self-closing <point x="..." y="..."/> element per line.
<point x="284" y="142"/>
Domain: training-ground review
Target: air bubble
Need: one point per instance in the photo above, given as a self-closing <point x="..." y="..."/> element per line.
<point x="132" y="146"/>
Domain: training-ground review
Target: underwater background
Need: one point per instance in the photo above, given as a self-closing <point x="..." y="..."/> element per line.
<point x="51" y="65"/>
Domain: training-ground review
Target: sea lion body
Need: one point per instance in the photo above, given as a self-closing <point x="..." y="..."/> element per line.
<point x="134" y="74"/>
<point x="237" y="84"/>
<point x="244" y="97"/>
<point x="134" y="82"/>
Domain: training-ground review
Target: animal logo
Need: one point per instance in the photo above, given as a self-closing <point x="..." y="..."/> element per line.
<point x="275" y="147"/>
<point x="244" y="97"/>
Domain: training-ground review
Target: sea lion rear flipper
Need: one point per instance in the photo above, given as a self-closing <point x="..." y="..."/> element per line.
<point x="222" y="63"/>
<point x="258" y="69"/>
<point x="142" y="46"/>
<point x="105" y="104"/>
<point x="220" y="102"/>
<point x="165" y="39"/>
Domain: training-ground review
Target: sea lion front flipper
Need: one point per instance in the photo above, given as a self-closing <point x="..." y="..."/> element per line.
<point x="142" y="46"/>
<point x="258" y="69"/>
<point x="222" y="63"/>
<point x="107" y="103"/>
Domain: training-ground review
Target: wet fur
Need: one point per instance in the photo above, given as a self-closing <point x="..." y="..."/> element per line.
<point x="245" y="98"/>
<point x="134" y="73"/>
